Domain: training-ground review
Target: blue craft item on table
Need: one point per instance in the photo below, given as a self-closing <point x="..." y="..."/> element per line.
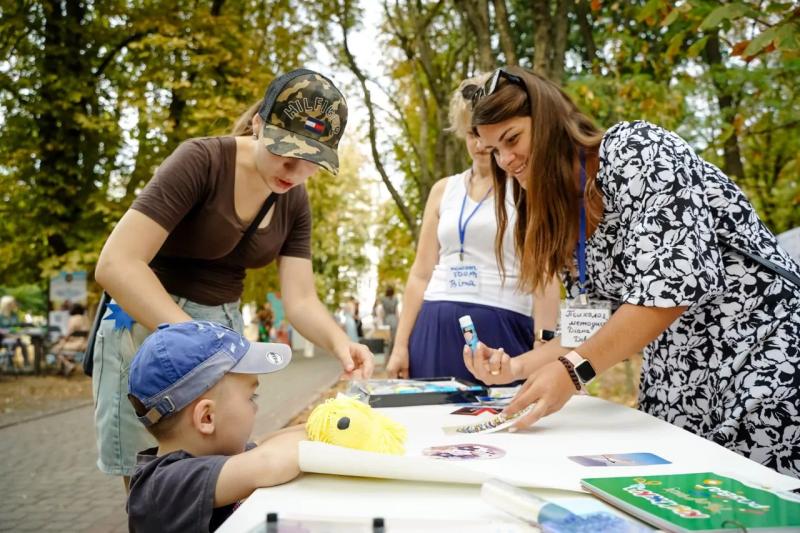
<point x="551" y="517"/>
<point x="122" y="320"/>
<point x="590" y="523"/>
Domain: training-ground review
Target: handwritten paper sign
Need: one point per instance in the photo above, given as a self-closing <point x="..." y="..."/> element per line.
<point x="580" y="323"/>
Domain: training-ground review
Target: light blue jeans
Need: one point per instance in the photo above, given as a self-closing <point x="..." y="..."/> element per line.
<point x="120" y="435"/>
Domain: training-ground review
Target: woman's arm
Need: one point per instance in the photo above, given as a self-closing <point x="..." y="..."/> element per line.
<point x="123" y="271"/>
<point x="627" y="332"/>
<point x="418" y="278"/>
<point x="307" y="314"/>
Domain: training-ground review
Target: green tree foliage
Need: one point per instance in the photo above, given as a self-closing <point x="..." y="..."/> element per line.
<point x="723" y="75"/>
<point x="396" y="248"/>
<point x="749" y="56"/>
<point x="93" y="95"/>
<point x="342" y="210"/>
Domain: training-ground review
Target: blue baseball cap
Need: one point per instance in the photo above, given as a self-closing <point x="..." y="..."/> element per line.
<point x="179" y="362"/>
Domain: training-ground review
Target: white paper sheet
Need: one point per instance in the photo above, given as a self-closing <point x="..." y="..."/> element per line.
<point x="539" y="456"/>
<point x="321" y="458"/>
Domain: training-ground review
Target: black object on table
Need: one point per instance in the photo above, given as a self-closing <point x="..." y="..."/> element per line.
<point x="272" y="522"/>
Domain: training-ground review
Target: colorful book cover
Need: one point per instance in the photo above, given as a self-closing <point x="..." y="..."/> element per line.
<point x="698" y="502"/>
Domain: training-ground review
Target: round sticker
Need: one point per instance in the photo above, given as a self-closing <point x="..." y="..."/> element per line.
<point x="462" y="452"/>
<point x="274" y="358"/>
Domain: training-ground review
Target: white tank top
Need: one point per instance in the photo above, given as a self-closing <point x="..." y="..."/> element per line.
<point x="479" y="238"/>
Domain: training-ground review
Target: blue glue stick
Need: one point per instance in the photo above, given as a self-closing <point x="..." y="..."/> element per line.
<point x="468" y="329"/>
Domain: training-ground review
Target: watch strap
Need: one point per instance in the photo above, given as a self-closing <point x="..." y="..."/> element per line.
<point x="571" y="371"/>
<point x="574" y="357"/>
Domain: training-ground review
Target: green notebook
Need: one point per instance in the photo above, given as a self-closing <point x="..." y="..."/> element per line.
<point x="698" y="502"/>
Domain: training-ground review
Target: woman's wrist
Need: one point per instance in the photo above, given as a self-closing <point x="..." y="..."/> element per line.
<point x="338" y="342"/>
<point x="519" y="370"/>
<point x="401" y="344"/>
<point x="568" y="366"/>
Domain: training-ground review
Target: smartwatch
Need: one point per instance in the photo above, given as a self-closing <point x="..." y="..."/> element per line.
<point x="544" y="335"/>
<point x="583" y="368"/>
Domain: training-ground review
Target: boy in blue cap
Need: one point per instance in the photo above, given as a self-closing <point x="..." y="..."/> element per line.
<point x="193" y="386"/>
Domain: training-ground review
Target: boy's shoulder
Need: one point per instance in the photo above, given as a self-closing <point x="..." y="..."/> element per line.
<point x="174" y="489"/>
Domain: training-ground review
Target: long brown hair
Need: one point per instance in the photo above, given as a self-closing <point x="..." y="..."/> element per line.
<point x="244" y="124"/>
<point x="547" y="222"/>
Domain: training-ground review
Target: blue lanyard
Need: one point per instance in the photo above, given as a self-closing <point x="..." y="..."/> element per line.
<point x="462" y="227"/>
<point x="582" y="232"/>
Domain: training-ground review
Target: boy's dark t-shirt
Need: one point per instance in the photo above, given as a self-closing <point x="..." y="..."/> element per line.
<point x="175" y="492"/>
<point x="191" y="196"/>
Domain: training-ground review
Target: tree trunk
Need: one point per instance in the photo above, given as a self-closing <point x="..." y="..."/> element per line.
<point x="733" y="166"/>
<point x="585" y="26"/>
<point x="478" y="18"/>
<point x="504" y="30"/>
<point x="542" y="42"/>
<point x="61" y="172"/>
<point x="561" y="30"/>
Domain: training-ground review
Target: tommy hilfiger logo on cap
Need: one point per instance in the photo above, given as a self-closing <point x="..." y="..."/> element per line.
<point x="314" y="125"/>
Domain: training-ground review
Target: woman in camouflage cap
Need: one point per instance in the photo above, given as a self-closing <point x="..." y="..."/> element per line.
<point x="181" y="250"/>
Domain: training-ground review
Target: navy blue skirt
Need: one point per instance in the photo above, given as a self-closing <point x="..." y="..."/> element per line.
<point x="436" y="345"/>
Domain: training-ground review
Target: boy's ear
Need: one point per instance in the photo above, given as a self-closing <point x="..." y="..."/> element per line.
<point x="203" y="416"/>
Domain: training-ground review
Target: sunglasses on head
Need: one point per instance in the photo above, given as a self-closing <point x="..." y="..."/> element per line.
<point x="475" y="93"/>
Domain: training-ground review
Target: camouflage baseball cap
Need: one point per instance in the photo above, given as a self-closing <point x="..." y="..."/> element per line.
<point x="304" y="116"/>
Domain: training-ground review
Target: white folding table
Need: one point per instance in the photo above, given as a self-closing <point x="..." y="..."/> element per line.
<point x="538" y="457"/>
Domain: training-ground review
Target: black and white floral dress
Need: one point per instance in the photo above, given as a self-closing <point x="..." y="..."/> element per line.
<point x="729" y="368"/>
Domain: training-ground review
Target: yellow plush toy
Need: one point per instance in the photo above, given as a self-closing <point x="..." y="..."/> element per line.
<point x="344" y="421"/>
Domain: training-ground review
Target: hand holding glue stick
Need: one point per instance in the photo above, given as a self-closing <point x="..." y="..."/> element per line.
<point x="496" y="364"/>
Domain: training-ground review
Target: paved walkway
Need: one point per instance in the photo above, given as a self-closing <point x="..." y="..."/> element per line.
<point x="49" y="478"/>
